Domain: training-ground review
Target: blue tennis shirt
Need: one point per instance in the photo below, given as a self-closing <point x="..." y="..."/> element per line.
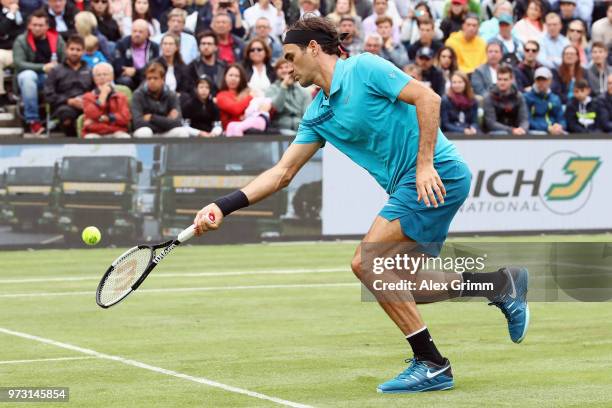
<point x="364" y="120"/>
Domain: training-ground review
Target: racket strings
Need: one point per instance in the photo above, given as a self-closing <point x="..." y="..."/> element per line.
<point x="127" y="270"/>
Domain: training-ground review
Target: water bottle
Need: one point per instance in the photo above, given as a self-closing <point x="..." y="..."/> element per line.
<point x="217" y="129"/>
<point x="54" y="58"/>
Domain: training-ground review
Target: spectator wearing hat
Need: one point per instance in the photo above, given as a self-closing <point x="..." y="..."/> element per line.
<point x="490" y="28"/>
<point x="602" y="28"/>
<point x="544" y="107"/>
<point x="469" y="47"/>
<point x="199" y="108"/>
<point x="512" y="48"/>
<point x="455" y="19"/>
<point x="568" y="13"/>
<point x="391" y="50"/>
<point x="605" y="108"/>
<point x="426" y="39"/>
<point x="526" y="69"/>
<point x="581" y="110"/>
<point x="505" y="110"/>
<point x="552" y="43"/>
<point x="485" y="75"/>
<point x="531" y="26"/>
<point x="599" y="71"/>
<point x="459" y="108"/>
<point x="430" y="75"/>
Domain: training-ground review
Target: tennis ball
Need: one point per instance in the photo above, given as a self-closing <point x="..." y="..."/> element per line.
<point x="91" y="235"/>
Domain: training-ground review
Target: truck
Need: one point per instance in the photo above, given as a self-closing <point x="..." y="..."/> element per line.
<point x="98" y="185"/>
<point x="188" y="175"/>
<point x="31" y="197"/>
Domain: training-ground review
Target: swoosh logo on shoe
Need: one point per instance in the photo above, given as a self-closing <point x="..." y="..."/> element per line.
<point x="513" y="294"/>
<point x="432" y="375"/>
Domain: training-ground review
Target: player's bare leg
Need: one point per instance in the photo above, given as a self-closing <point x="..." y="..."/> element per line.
<point x="428" y="369"/>
<point x="404" y="313"/>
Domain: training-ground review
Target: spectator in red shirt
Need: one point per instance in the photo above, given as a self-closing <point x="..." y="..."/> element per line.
<point x="234" y="95"/>
<point x="107" y="112"/>
<point x="230" y="47"/>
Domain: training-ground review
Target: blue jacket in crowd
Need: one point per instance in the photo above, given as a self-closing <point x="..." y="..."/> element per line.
<point x="545" y="109"/>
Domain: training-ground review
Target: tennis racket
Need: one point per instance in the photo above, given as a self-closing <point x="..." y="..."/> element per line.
<point x="130" y="269"/>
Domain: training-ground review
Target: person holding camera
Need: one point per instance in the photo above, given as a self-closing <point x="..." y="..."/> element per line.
<point x="212" y="8"/>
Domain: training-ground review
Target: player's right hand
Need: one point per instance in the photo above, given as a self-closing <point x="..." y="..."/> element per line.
<point x="208" y="218"/>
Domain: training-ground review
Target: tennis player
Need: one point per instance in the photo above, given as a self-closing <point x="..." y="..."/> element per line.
<point x="388" y="124"/>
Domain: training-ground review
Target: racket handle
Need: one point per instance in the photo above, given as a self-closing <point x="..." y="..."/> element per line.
<point x="189" y="232"/>
<point x="186" y="234"/>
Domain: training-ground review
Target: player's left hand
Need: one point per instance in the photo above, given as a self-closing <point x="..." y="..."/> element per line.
<point x="429" y="185"/>
<point x="203" y="221"/>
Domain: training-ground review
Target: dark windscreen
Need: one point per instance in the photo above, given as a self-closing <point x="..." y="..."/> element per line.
<point x="30" y="175"/>
<point x="99" y="168"/>
<point x="222" y="157"/>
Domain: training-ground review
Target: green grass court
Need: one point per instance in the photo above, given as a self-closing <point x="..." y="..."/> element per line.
<point x="258" y="318"/>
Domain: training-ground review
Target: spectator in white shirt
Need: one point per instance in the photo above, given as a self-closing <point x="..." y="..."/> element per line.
<point x="274" y="14"/>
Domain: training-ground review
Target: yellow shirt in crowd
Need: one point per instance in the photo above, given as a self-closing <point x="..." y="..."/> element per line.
<point x="470" y="54"/>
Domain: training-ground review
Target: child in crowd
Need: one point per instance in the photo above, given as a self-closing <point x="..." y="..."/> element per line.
<point x="92" y="55"/>
<point x="256" y="116"/>
<point x="200" y="113"/>
<point x="581" y="110"/>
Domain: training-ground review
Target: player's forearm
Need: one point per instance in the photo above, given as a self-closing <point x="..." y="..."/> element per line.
<point x="428" y="114"/>
<point x="267" y="183"/>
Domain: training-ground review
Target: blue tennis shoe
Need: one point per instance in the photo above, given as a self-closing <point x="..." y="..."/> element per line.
<point x="512" y="301"/>
<point x="420" y="376"/>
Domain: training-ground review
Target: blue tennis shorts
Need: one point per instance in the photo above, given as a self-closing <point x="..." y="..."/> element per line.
<point x="428" y="226"/>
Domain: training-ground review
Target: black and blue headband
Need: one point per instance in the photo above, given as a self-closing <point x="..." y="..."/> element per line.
<point x="303" y="37"/>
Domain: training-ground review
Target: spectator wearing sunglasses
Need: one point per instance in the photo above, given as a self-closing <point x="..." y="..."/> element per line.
<point x="576" y="34"/>
<point x="568" y="13"/>
<point x="552" y="43"/>
<point x="106" y="23"/>
<point x="259" y="71"/>
<point x="526" y="69"/>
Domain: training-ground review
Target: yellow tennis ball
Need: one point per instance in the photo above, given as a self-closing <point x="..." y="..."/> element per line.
<point x="91" y="235"/>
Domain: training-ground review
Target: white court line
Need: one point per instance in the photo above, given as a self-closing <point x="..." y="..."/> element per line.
<point x="180" y="275"/>
<point x="174" y="290"/>
<point x="52" y="239"/>
<point x="45" y="359"/>
<point x="160" y="370"/>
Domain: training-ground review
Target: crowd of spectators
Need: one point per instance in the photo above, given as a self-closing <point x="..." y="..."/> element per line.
<point x="115" y="68"/>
